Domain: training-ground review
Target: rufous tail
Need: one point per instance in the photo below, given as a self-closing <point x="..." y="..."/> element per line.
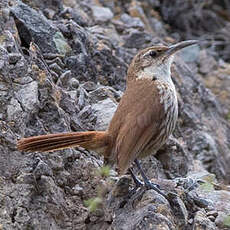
<point x="91" y="140"/>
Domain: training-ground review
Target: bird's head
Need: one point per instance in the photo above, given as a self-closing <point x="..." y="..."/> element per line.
<point x="155" y="62"/>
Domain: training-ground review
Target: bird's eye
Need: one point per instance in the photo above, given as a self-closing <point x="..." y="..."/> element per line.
<point x="152" y="53"/>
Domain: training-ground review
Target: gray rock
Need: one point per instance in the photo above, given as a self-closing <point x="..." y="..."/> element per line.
<point x="201" y="222"/>
<point x="132" y="22"/>
<point x="77" y="63"/>
<point x="218" y="82"/>
<point x="136" y="39"/>
<point x="101" y="14"/>
<point x="74" y="83"/>
<point x="202" y="175"/>
<point x="14" y="110"/>
<point x="219" y="200"/>
<point x="77" y="190"/>
<point x="64" y="79"/>
<point x="26" y="178"/>
<point x="42" y="169"/>
<point x="14" y="58"/>
<point x="102" y="92"/>
<point x="56" y="5"/>
<point x="34" y="26"/>
<point x="140" y="212"/>
<point x="28" y="96"/>
<point x="157" y="27"/>
<point x="223" y="220"/>
<point x="121" y="188"/>
<point x="194" y="120"/>
<point x="207" y="62"/>
<point x="179" y="210"/>
<point x="206" y="151"/>
<point x="104" y="111"/>
<point x="56" y="162"/>
<point x="89" y="86"/>
<point x="178" y="165"/>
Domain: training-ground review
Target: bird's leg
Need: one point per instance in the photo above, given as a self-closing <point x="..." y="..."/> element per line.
<point x="148" y="183"/>
<point x="137" y="182"/>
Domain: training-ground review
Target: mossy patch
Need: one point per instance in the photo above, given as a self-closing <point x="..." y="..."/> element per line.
<point x="207" y="187"/>
<point x="226" y="221"/>
<point x="61" y="44"/>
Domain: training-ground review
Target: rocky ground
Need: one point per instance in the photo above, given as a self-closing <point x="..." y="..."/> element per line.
<point x="63" y="67"/>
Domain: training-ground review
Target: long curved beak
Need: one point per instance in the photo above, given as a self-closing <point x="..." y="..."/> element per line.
<point x="178" y="46"/>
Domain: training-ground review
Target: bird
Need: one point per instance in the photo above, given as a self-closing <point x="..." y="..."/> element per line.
<point x="143" y="121"/>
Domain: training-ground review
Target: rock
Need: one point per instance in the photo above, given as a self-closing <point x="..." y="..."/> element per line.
<point x="202" y="222"/>
<point x="180" y="210"/>
<point x="205" y="149"/>
<point x="223" y="221"/>
<point x="106" y="33"/>
<point x="74" y="83"/>
<point x="64" y="79"/>
<point x="207" y="62"/>
<point x="101" y="14"/>
<point x="135" y="10"/>
<point x="121" y="188"/>
<point x="77" y="190"/>
<point x="34" y="27"/>
<point x="55" y="163"/>
<point x="151" y="212"/>
<point x="136" y="39"/>
<point x="178" y="165"/>
<point x="14" y="58"/>
<point x="202" y="175"/>
<point x="101" y="93"/>
<point x="26" y="178"/>
<point x="56" y="5"/>
<point x="104" y="111"/>
<point x="218" y="199"/>
<point x="89" y="86"/>
<point x="212" y="213"/>
<point x="42" y="169"/>
<point x="77" y="64"/>
<point x="190" y="111"/>
<point x="218" y="82"/>
<point x="158" y="27"/>
<point x="132" y="22"/>
<point x="28" y="96"/>
<point x="14" y="110"/>
<point x="77" y="14"/>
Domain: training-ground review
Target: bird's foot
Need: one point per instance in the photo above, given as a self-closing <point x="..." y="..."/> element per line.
<point x="138" y="184"/>
<point x="149" y="185"/>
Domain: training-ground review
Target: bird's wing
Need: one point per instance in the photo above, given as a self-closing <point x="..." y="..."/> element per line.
<point x="140" y="116"/>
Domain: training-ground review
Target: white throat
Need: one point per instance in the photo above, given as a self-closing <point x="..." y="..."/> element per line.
<point x="160" y="71"/>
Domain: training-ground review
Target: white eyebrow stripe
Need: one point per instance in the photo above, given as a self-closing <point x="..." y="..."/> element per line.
<point x="147" y="53"/>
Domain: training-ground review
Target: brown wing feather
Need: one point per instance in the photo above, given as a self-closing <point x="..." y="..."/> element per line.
<point x="137" y="124"/>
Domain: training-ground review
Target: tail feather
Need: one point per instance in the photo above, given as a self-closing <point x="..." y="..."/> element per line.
<point x="91" y="140"/>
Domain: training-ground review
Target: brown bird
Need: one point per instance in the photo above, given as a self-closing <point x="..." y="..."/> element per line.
<point x="144" y="119"/>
